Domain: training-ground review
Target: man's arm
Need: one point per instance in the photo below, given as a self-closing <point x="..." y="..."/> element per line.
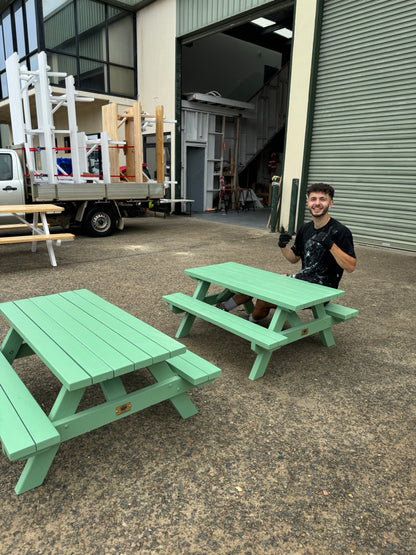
<point x="290" y="255"/>
<point x="347" y="262"/>
<point x="287" y="252"/>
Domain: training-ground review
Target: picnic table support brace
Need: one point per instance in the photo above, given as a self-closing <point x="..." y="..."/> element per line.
<point x="182" y="403"/>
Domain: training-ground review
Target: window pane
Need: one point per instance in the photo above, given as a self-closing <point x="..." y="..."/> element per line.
<point x="91" y="29"/>
<point x="121" y="41"/>
<point x="59" y="27"/>
<point x="7" y="34"/>
<point x="93" y="45"/>
<point x="4" y="89"/>
<point x="66" y="64"/>
<point x="2" y="56"/>
<point x="122" y="81"/>
<point x="5" y="167"/>
<point x="91" y="16"/>
<point x="31" y="25"/>
<point x="20" y="32"/>
<point x="92" y="76"/>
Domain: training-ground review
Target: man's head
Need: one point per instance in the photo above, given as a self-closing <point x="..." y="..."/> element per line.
<point x="321" y="188"/>
<point x="319" y="199"/>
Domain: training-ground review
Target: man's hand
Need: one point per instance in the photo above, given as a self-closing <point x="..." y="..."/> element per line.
<point x="284" y="239"/>
<point x="325" y="240"/>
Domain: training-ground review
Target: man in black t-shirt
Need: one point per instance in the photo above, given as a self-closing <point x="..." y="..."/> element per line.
<point x="324" y="246"/>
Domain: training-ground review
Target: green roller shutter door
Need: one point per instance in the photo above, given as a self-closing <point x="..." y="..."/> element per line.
<point x="363" y="138"/>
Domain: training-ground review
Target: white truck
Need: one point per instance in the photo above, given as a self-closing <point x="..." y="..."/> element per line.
<point x="97" y="208"/>
<point x="32" y="172"/>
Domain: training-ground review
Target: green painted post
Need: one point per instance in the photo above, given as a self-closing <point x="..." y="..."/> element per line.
<point x="275" y="200"/>
<point x="293" y="205"/>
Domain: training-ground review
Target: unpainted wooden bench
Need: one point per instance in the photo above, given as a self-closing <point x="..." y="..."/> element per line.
<point x="36" y="237"/>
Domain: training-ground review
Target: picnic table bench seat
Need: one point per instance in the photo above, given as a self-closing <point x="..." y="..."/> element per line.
<point x="193" y="368"/>
<point x="38" y="237"/>
<point x="340" y="313"/>
<point x="263" y="337"/>
<point x="24" y="427"/>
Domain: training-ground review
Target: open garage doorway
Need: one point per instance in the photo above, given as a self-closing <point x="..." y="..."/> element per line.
<point x="235" y="84"/>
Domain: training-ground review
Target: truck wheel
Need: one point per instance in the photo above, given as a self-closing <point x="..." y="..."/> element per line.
<point x="99" y="221"/>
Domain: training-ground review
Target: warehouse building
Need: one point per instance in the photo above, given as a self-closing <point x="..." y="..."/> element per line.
<point x="314" y="90"/>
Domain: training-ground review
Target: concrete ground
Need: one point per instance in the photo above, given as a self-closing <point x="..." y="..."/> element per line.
<point x="316" y="457"/>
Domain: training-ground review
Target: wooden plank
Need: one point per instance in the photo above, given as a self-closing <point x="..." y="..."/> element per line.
<point x="193" y="368"/>
<point x="24" y="427"/>
<point x="109" y="345"/>
<point x="69" y="373"/>
<point x="138" y="143"/>
<point x="37" y="238"/>
<point x="160" y="172"/>
<point x="230" y="322"/>
<point x="89" y="332"/>
<point x="68" y="339"/>
<point x="129" y="138"/>
<point x="29" y="208"/>
<point x="109" y="125"/>
<point x="15" y="227"/>
<point x="152" y="341"/>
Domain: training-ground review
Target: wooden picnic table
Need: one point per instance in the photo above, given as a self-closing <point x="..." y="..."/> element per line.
<point x="288" y="294"/>
<point x="40" y="230"/>
<point x="84" y="340"/>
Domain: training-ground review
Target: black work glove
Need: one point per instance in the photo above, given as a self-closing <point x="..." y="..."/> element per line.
<point x="284" y="239"/>
<point x="325" y="240"/>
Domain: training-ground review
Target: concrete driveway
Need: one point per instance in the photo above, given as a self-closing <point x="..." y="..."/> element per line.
<point x="316" y="457"/>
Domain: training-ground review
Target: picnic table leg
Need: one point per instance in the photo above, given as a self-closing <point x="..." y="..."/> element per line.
<point x="34" y="228"/>
<point x="326" y="336"/>
<point x="11" y="345"/>
<point x="66" y="403"/>
<point x="49" y="244"/>
<point x="35" y="470"/>
<point x="263" y="357"/>
<point x="188" y="319"/>
<point x="182" y="403"/>
<point x="260" y="364"/>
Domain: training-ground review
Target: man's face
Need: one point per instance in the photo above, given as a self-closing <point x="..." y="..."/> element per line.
<point x="319" y="204"/>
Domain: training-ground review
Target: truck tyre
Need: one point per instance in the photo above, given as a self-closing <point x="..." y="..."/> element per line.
<point x="99" y="221"/>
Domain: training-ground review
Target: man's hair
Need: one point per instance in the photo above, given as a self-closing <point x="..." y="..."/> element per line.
<point x="321" y="188"/>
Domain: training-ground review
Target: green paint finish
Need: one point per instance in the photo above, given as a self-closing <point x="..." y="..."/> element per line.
<point x="289" y="295"/>
<point x="84" y="340"/>
<point x="24" y="427"/>
<point x="227" y="321"/>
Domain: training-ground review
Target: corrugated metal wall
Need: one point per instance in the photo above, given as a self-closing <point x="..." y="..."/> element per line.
<point x="193" y="15"/>
<point x="364" y="123"/>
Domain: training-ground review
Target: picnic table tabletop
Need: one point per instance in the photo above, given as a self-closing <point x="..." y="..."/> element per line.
<point x="286" y="292"/>
<point x="84" y="339"/>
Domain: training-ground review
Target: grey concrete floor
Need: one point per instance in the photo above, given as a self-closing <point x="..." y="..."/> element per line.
<point x="257" y="218"/>
<point x="316" y="457"/>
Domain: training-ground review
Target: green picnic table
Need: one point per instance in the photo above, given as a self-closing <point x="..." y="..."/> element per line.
<point x="84" y="340"/>
<point x="288" y="294"/>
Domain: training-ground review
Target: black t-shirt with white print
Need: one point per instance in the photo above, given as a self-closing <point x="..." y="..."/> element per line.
<point x="318" y="264"/>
